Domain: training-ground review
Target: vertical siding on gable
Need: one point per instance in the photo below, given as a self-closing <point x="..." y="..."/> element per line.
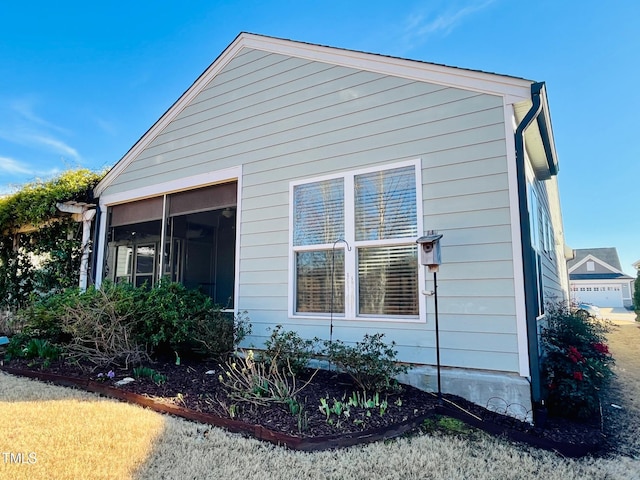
<point x="286" y="119"/>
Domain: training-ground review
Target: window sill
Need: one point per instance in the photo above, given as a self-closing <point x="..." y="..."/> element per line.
<point x="342" y="318"/>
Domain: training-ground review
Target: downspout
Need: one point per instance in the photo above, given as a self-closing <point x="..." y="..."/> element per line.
<point x="528" y="254"/>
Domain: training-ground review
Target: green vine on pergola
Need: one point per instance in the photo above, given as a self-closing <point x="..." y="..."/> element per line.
<point x="40" y="248"/>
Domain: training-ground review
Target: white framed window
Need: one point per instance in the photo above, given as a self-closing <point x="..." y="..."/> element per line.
<point x="591" y="266"/>
<point x="353" y="244"/>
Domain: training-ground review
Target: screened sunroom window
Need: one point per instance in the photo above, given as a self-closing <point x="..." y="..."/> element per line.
<point x="354" y="250"/>
<point x="187" y="237"/>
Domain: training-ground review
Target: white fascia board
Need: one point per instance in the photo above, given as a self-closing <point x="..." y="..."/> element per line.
<point x="598" y="261"/>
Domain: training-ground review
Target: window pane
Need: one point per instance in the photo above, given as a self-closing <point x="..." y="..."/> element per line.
<point x="313" y="277"/>
<point x="386" y="204"/>
<point x="388" y="280"/>
<point x="124" y="259"/>
<point x="145" y="259"/>
<point x="318" y="212"/>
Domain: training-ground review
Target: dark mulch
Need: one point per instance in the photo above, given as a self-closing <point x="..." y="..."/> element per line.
<point x="190" y="387"/>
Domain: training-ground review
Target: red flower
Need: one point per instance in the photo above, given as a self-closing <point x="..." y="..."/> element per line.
<point x="578" y="376"/>
<point x="574" y="355"/>
<point x="601" y="348"/>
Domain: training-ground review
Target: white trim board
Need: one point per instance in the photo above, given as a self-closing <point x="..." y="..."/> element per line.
<point x="516" y="245"/>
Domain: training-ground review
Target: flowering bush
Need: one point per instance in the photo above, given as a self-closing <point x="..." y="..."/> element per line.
<point x="576" y="362"/>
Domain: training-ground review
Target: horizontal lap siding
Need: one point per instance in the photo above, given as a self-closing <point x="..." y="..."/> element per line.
<point x="552" y="261"/>
<point x="287" y="119"/>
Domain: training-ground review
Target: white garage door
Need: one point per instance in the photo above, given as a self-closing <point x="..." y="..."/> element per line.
<point x="600" y="295"/>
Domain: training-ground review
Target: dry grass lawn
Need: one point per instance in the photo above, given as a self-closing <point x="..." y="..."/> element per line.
<point x="77" y="435"/>
<point x="54" y="432"/>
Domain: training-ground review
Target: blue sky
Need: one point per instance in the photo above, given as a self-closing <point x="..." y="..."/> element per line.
<point x="81" y="82"/>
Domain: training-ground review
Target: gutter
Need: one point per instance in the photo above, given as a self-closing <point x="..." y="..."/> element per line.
<point x="528" y="254"/>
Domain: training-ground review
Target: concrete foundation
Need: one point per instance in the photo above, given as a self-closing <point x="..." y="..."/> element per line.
<point x="502" y="392"/>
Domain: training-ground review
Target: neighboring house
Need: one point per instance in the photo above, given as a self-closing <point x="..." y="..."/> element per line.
<point x="293" y="180"/>
<point x="596" y="277"/>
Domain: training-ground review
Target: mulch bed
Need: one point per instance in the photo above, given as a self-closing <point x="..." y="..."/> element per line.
<point x="191" y="393"/>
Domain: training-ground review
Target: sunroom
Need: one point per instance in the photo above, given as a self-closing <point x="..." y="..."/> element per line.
<point x="188" y="237"/>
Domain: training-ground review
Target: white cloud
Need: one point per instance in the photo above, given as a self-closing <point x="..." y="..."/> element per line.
<point x="41" y="142"/>
<point x="25" y="108"/>
<point x="54" y="145"/>
<point x="419" y="26"/>
<point x="21" y="125"/>
<point x="14" y="167"/>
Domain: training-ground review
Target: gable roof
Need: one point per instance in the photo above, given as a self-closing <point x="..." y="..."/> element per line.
<point x="515" y="90"/>
<point x="607" y="256"/>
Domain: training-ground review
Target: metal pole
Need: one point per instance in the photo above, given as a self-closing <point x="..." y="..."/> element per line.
<point x="435" y="294"/>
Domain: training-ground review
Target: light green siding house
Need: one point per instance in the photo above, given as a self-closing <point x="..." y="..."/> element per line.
<point x="292" y="181"/>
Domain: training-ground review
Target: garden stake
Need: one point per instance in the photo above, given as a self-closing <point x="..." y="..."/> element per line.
<point x="435" y="297"/>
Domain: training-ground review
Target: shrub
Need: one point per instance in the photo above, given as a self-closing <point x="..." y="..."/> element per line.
<point x="42" y="315"/>
<point x="176" y="319"/>
<point x="288" y="348"/>
<point x="217" y="334"/>
<point x="371" y="363"/>
<point x="255" y="381"/>
<point x="576" y="362"/>
<point x="101" y="326"/>
<point x="122" y="324"/>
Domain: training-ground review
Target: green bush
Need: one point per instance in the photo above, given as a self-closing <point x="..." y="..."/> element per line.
<point x="43" y="315"/>
<point x="290" y="350"/>
<point x="48" y="258"/>
<point x="576" y="362"/>
<point x="122" y="324"/>
<point x="176" y="319"/>
<point x="371" y="363"/>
